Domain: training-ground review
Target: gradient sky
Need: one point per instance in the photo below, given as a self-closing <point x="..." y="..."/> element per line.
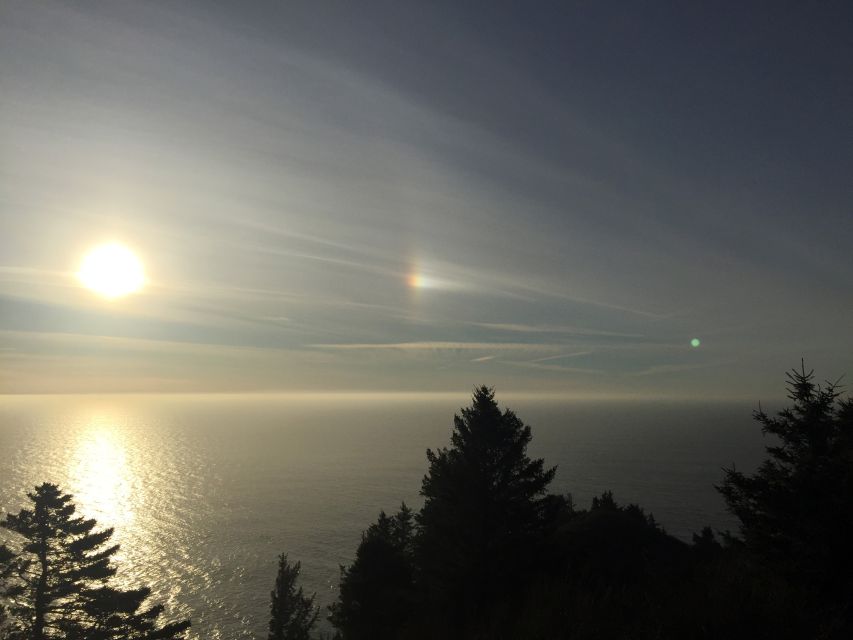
<point x="550" y="196"/>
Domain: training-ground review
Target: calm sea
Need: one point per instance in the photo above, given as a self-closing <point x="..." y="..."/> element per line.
<point x="205" y="491"/>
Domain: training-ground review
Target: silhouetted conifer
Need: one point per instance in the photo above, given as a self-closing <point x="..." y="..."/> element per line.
<point x="484" y="511"/>
<point x="7" y="567"/>
<point x="292" y="613"/>
<point x="604" y="501"/>
<point x="796" y="512"/>
<point x="705" y="543"/>
<point x="611" y="573"/>
<point x="493" y="556"/>
<point x="115" y="613"/>
<point x="376" y="595"/>
<point x="61" y="578"/>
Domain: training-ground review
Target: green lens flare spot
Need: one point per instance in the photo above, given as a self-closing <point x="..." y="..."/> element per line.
<point x="695" y="342"/>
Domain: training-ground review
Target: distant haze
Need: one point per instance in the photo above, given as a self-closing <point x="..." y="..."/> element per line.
<point x="395" y="196"/>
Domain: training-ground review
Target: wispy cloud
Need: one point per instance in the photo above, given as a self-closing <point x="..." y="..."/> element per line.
<point x="661" y="369"/>
<point x="438" y="346"/>
<point x="533" y="364"/>
<point x="561" y="356"/>
<point x="300" y="193"/>
<point x="557" y="329"/>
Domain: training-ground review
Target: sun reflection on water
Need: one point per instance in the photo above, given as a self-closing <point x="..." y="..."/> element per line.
<point x="119" y="475"/>
<point x="101" y="478"/>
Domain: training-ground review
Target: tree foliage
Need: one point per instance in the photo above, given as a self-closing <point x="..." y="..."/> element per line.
<point x="59" y="586"/>
<point x="7" y="567"/>
<point x="292" y="613"/>
<point x="493" y="556"/>
<point x="118" y="613"/>
<point x="376" y="592"/>
<point x="484" y="509"/>
<point x="796" y="511"/>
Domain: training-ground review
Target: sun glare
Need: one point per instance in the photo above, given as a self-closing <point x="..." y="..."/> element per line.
<point x="111" y="271"/>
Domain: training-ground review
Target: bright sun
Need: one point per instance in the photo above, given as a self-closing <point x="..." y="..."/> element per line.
<point x="112" y="271"/>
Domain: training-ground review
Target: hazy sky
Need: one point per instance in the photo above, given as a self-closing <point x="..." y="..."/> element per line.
<point x="550" y="196"/>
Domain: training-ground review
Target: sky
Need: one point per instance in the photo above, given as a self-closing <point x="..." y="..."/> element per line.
<point x="550" y="197"/>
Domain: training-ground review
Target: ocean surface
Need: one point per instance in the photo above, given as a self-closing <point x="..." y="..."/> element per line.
<point x="205" y="491"/>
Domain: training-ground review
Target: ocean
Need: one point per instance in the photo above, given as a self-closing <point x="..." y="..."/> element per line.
<point x="204" y="491"/>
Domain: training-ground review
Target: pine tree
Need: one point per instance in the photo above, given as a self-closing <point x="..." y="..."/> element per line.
<point x="292" y="613"/>
<point x="114" y="613"/>
<point x="796" y="512"/>
<point x="376" y="592"/>
<point x="484" y="511"/>
<point x="7" y="567"/>
<point x="61" y="581"/>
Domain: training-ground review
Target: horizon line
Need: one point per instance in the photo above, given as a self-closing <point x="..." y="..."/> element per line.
<point x="398" y="394"/>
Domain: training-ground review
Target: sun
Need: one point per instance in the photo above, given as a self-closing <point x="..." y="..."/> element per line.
<point x="112" y="271"/>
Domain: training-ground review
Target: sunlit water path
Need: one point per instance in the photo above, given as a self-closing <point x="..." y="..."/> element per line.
<point x="205" y="491"/>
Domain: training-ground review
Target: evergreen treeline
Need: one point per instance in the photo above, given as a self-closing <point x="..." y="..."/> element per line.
<point x="493" y="555"/>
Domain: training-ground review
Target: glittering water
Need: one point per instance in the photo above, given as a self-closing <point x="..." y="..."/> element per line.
<point x="205" y="491"/>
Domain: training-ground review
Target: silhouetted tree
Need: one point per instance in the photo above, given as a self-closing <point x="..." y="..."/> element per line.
<point x="7" y="567"/>
<point x="490" y="555"/>
<point x="484" y="511"/>
<point x="604" y="501"/>
<point x="115" y="613"/>
<point x="705" y="543"/>
<point x="292" y="613"/>
<point x="796" y="512"/>
<point x="61" y="580"/>
<point x="612" y="573"/>
<point x="376" y="598"/>
<point x="612" y="545"/>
